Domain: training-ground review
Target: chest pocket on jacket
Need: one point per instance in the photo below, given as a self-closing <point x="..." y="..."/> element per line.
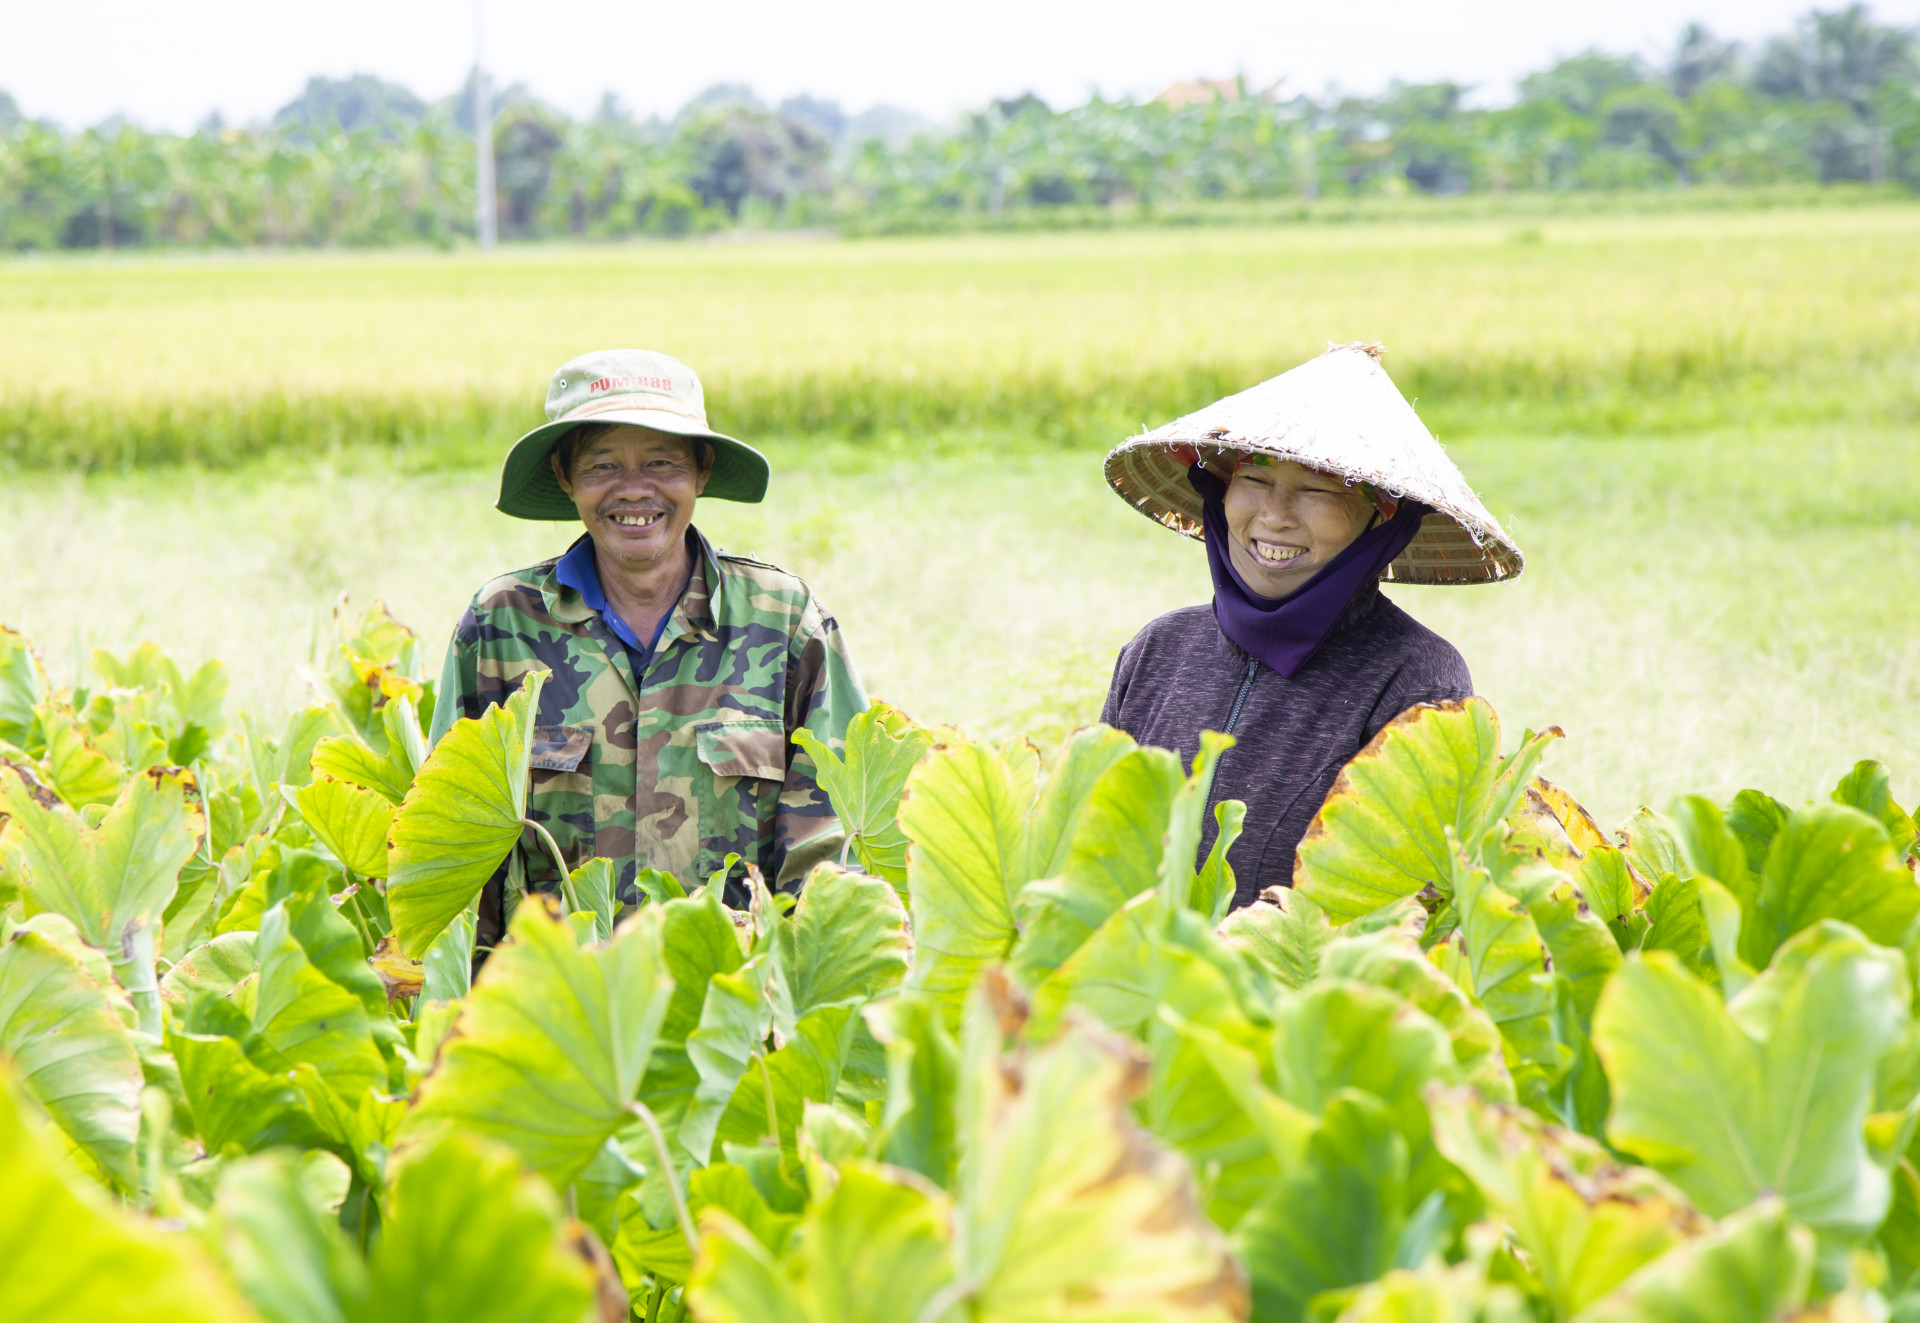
<point x="748" y="765"/>
<point x="560" y="748"/>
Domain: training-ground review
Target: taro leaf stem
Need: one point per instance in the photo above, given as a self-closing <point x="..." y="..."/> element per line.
<point x="942" y="1301"/>
<point x="559" y="862"/>
<point x="680" y="1213"/>
<point x="773" y="1115"/>
<point x="351" y="905"/>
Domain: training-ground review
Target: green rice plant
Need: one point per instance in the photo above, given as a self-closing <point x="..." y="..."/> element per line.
<point x="1592" y="324"/>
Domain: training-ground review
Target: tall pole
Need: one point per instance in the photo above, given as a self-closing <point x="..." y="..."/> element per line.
<point x="485" y="224"/>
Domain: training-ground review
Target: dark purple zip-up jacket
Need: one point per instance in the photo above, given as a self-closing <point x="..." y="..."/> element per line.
<point x="1180" y="675"/>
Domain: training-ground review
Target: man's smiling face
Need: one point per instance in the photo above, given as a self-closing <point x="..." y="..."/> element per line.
<point x="634" y="489"/>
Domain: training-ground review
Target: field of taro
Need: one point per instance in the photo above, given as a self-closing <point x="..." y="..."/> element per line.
<point x="1011" y="1059"/>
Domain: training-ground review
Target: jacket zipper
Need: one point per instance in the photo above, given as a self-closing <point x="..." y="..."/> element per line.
<point x="1240" y="699"/>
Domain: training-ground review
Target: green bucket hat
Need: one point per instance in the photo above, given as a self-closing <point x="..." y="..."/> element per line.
<point x="633" y="386"/>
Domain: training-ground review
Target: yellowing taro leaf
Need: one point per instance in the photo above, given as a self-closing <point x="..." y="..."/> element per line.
<point x="1585" y="1222"/>
<point x="1767" y="1093"/>
<point x="1581" y="829"/>
<point x="550" y="1050"/>
<point x="968" y="828"/>
<point x="461" y="817"/>
<point x="113" y="881"/>
<point x="78" y="771"/>
<point x="23" y="683"/>
<point x="70" y="1051"/>
<point x="351" y="822"/>
<point x="1755" y="1267"/>
<point x="67" y="1257"/>
<point x="1065" y="1208"/>
<point x="399" y="976"/>
<point x="1382" y="833"/>
<point x="882" y="747"/>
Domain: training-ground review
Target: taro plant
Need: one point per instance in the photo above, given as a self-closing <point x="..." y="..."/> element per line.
<point x="1013" y="1057"/>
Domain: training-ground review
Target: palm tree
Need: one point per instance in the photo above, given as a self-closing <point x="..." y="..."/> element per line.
<point x="1842" y="57"/>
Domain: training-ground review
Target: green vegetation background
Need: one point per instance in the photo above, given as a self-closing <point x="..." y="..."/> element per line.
<point x="361" y="162"/>
<point x="1700" y="427"/>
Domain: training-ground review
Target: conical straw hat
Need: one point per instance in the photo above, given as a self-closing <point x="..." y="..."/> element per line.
<point x="1339" y="413"/>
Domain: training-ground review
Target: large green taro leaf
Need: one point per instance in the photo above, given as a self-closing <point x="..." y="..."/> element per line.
<point x="663" y="1252"/>
<point x="351" y="822"/>
<point x="1383" y="831"/>
<point x="1505" y="962"/>
<point x="1584" y="952"/>
<point x="1765" y="1094"/>
<point x="699" y="941"/>
<point x="923" y="1073"/>
<point x="845" y="943"/>
<point x="735" y="1018"/>
<point x="1755" y="1267"/>
<point x="288" y="1257"/>
<point x="806" y="1069"/>
<point x="967" y="822"/>
<point x="460" y="817"/>
<point x="69" y="1050"/>
<point x="302" y="1016"/>
<point x="215" y="967"/>
<point x="1186" y="1106"/>
<point x="1067" y="796"/>
<point x="1395" y="962"/>
<point x="113" y="881"/>
<point x="1335" y="1220"/>
<point x="737" y="1281"/>
<point x="882" y="747"/>
<point x="469" y="1237"/>
<point x="1285" y="931"/>
<point x="236" y="1106"/>
<point x="1869" y="788"/>
<point x="1115" y="855"/>
<point x="1336" y="1034"/>
<point x="1585" y="1222"/>
<point x="876" y="1250"/>
<point x="1832" y="862"/>
<point x="67" y="1257"/>
<point x="1065" y="1207"/>
<point x="549" y="1053"/>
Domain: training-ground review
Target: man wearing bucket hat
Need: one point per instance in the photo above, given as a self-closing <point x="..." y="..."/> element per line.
<point x="1307" y="491"/>
<point x="679" y="672"/>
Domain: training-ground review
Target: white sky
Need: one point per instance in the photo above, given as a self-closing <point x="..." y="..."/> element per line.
<point x="166" y="63"/>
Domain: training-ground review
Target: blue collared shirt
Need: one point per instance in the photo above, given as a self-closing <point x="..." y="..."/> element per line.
<point x="577" y="571"/>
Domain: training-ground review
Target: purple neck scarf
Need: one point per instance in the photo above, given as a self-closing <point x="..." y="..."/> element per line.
<point x="1285" y="632"/>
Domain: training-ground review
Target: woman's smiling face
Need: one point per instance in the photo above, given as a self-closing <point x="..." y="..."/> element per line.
<point x="1286" y="521"/>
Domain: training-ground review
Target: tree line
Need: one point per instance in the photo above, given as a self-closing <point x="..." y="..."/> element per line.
<point x="362" y="162"/>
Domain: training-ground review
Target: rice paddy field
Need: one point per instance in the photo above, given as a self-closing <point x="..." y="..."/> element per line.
<point x="1702" y="429"/>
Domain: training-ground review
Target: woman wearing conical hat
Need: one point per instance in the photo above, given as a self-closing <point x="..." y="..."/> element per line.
<point x="1307" y="490"/>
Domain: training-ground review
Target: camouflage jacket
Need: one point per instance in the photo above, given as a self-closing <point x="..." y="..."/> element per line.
<point x="679" y="767"/>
